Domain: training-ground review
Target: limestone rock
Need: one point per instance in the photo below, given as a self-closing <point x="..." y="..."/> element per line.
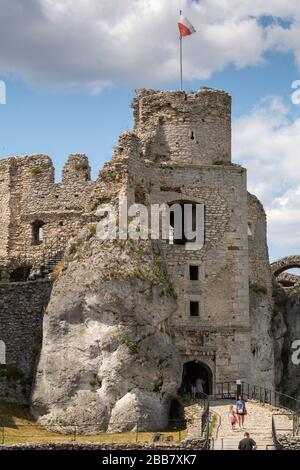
<point x="107" y="359"/>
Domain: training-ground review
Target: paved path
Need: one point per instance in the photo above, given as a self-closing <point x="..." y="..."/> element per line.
<point x="258" y="423"/>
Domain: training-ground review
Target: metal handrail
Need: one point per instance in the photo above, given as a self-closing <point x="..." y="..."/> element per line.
<point x="204" y="403"/>
<point x="226" y="390"/>
<point x="277" y="443"/>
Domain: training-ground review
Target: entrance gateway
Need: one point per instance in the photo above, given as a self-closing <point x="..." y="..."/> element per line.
<point x="194" y="370"/>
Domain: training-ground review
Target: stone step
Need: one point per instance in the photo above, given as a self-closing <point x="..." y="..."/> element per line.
<point x="233" y="445"/>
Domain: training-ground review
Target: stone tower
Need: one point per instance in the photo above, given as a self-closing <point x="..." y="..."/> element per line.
<point x="192" y="128"/>
<point x="185" y="156"/>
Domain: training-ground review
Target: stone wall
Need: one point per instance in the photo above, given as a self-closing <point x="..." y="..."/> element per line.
<point x="189" y="128"/>
<point x="21" y="317"/>
<point x="4" y="206"/>
<point x="187" y="444"/>
<point x="261" y="297"/>
<point x="29" y="195"/>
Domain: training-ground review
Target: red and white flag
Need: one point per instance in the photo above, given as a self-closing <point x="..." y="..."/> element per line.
<point x="185" y="27"/>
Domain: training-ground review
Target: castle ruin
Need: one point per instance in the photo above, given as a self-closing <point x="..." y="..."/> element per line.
<point x="211" y="309"/>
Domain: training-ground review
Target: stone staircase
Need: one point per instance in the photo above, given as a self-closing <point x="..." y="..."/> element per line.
<point x="51" y="263"/>
<point x="258" y="423"/>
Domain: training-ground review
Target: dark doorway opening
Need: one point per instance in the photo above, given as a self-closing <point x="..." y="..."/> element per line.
<point x="20" y="274"/>
<point x="194" y="273"/>
<point x="186" y="206"/>
<point x="194" y="309"/>
<point x="192" y="372"/>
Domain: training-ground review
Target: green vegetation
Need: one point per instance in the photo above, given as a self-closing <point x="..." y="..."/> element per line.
<point x="162" y="278"/>
<point x="36" y="171"/>
<point x="93" y="229"/>
<point x="219" y="162"/>
<point x="212" y="425"/>
<point x="95" y="204"/>
<point x="138" y="274"/>
<point x="258" y="289"/>
<point x="133" y="347"/>
<point x="159" y="381"/>
<point x="11" y="372"/>
<point x="82" y="166"/>
<point x="295" y="290"/>
<point x="108" y="175"/>
<point x="72" y="249"/>
<point x="18" y="427"/>
<point x="186" y="399"/>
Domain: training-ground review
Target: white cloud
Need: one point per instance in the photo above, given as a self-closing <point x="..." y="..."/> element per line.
<point x="95" y="43"/>
<point x="267" y="143"/>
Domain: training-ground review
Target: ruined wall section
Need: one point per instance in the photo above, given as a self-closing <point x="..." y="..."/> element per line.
<point x="261" y="300"/>
<point x="180" y="127"/>
<point x="22" y="307"/>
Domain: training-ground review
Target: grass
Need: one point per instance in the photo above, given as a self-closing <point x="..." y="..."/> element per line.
<point x="18" y="427"/>
<point x="212" y="425"/>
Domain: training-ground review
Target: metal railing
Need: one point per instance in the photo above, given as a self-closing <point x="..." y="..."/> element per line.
<point x="53" y="248"/>
<point x="205" y="419"/>
<point x="229" y="390"/>
<point x="277" y="443"/>
<point x="48" y="254"/>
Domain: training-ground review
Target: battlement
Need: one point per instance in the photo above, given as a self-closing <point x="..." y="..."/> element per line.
<point x="187" y="127"/>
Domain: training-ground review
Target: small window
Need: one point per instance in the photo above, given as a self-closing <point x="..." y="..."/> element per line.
<point x="192" y="134"/>
<point x="194" y="273"/>
<point x="250" y="229"/>
<point x="194" y="309"/>
<point x="37" y="232"/>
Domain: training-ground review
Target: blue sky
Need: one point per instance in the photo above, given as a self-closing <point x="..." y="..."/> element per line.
<point x="74" y="95"/>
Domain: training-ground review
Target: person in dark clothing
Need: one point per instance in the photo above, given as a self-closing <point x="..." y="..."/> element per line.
<point x="247" y="443"/>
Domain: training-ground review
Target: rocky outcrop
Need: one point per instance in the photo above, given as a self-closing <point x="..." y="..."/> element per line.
<point x="260" y="297"/>
<point x="107" y="360"/>
<point x="290" y="378"/>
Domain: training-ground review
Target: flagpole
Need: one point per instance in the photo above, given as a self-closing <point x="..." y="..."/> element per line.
<point x="180" y="41"/>
<point x="181" y="81"/>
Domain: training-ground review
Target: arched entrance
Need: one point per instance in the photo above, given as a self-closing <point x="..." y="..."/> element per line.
<point x="194" y="370"/>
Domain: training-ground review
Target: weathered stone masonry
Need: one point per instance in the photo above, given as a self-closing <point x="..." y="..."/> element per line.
<point x="22" y="307"/>
<point x="179" y="151"/>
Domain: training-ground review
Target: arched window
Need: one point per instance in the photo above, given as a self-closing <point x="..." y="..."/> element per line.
<point x="2" y="353"/>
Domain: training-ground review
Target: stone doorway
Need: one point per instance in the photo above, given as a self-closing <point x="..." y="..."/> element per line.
<point x="194" y="370"/>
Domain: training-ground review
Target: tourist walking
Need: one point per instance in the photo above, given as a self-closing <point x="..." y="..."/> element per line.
<point x="232" y="417"/>
<point x="241" y="411"/>
<point x="199" y="386"/>
<point x="194" y="392"/>
<point x="247" y="443"/>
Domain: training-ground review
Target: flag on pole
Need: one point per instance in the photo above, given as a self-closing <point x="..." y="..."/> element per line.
<point x="185" y="27"/>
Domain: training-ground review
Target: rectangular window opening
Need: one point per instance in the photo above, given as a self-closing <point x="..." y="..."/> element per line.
<point x="194" y="273"/>
<point x="194" y="309"/>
